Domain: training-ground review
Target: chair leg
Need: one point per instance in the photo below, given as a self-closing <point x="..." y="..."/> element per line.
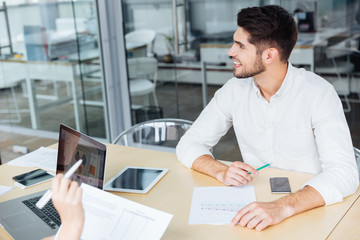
<point x="17" y="109"/>
<point x="357" y="91"/>
<point x="18" y="115"/>
<point x="347" y="102"/>
<point x="155" y="99"/>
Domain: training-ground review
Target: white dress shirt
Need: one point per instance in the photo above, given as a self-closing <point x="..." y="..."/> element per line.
<point x="302" y="128"/>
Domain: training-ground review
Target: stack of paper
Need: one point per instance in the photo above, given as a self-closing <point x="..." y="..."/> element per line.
<point x="108" y="216"/>
<point x="42" y="158"/>
<point x="4" y="189"/>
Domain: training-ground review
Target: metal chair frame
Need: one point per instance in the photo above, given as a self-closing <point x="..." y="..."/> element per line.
<point x="155" y="134"/>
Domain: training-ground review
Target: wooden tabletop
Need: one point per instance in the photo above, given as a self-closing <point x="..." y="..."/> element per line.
<point x="173" y="194"/>
<point x="348" y="228"/>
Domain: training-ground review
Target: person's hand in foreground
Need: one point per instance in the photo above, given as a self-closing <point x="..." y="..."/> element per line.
<point x="66" y="197"/>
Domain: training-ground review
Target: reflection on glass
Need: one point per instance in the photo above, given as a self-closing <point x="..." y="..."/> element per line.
<point x="55" y="46"/>
<point x="206" y="28"/>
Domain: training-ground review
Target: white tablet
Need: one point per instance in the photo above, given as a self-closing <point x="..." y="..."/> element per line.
<point x="135" y="179"/>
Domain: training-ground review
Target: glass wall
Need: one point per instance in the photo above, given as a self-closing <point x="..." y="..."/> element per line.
<point x="190" y="42"/>
<point x="50" y="68"/>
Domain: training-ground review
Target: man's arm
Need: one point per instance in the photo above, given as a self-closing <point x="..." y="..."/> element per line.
<point x="260" y="215"/>
<point x="234" y="175"/>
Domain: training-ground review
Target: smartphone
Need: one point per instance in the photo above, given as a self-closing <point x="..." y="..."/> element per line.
<point x="32" y="178"/>
<point x="29" y="175"/>
<point x="280" y="185"/>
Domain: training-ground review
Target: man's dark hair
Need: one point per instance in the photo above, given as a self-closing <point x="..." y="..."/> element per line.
<point x="269" y="26"/>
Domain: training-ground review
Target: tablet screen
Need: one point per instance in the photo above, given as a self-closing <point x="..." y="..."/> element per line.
<point x="135" y="179"/>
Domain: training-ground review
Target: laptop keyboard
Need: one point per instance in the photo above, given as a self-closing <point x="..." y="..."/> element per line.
<point x="48" y="214"/>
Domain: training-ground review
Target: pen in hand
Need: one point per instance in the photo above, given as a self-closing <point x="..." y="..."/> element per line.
<point x="266" y="165"/>
<point x="47" y="196"/>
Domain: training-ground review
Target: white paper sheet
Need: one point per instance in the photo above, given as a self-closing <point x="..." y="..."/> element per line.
<point x="4" y="189"/>
<point x="43" y="157"/>
<point x="108" y="216"/>
<point x="218" y="205"/>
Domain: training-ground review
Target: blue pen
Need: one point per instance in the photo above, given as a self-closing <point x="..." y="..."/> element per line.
<point x="266" y="165"/>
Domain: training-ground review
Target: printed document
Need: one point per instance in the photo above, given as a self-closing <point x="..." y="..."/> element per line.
<point x="4" y="189"/>
<point x="108" y="216"/>
<point x="219" y="205"/>
<point x="43" y="157"/>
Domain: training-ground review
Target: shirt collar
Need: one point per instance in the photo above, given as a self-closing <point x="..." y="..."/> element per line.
<point x="286" y="81"/>
<point x="283" y="87"/>
<point x="256" y="88"/>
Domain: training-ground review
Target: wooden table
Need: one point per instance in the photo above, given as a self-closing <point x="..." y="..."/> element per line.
<point x="173" y="194"/>
<point x="57" y="71"/>
<point x="348" y="228"/>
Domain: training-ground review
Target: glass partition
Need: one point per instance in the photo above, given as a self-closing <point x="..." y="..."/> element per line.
<point x="51" y="67"/>
<point x="52" y="72"/>
<point x="193" y="37"/>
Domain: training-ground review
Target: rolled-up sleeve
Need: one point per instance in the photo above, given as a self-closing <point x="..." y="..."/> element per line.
<point x="213" y="122"/>
<point x="339" y="177"/>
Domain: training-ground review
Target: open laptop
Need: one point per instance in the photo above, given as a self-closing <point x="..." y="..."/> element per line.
<point x="22" y="220"/>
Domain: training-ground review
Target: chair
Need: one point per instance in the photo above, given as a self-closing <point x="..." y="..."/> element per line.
<point x="159" y="134"/>
<point x="339" y="63"/>
<point x="141" y="71"/>
<point x="144" y="36"/>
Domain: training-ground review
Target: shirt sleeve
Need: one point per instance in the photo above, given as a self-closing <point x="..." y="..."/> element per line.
<point x="213" y="123"/>
<point x="339" y="177"/>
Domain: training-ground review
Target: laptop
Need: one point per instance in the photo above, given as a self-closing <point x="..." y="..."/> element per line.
<point x="22" y="220"/>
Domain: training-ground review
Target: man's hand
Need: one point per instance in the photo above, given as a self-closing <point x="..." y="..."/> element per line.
<point x="260" y="215"/>
<point x="237" y="174"/>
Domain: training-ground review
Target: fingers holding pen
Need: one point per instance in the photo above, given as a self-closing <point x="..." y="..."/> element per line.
<point x="238" y="174"/>
<point x="55" y="184"/>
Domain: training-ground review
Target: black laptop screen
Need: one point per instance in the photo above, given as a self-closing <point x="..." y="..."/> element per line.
<point x="73" y="146"/>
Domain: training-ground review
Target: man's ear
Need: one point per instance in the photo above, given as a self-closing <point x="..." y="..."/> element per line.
<point x="270" y="55"/>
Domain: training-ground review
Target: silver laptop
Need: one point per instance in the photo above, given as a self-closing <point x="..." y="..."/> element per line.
<point x="20" y="217"/>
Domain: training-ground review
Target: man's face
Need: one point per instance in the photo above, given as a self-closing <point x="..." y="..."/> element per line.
<point x="247" y="63"/>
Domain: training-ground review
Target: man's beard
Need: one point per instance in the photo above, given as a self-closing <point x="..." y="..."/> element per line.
<point x="257" y="69"/>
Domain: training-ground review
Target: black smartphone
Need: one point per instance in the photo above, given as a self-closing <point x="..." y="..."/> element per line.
<point x="280" y="185"/>
<point x="29" y="175"/>
<point x="32" y="178"/>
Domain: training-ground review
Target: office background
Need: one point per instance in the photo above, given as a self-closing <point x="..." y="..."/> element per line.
<point x="83" y="63"/>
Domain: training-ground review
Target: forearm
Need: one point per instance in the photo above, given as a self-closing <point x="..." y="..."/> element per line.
<point x="300" y="201"/>
<point x="238" y="173"/>
<point x="260" y="215"/>
<point x="71" y="231"/>
<point x="206" y="164"/>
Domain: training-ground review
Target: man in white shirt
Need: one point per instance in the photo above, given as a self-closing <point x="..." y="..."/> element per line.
<point x="288" y="117"/>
